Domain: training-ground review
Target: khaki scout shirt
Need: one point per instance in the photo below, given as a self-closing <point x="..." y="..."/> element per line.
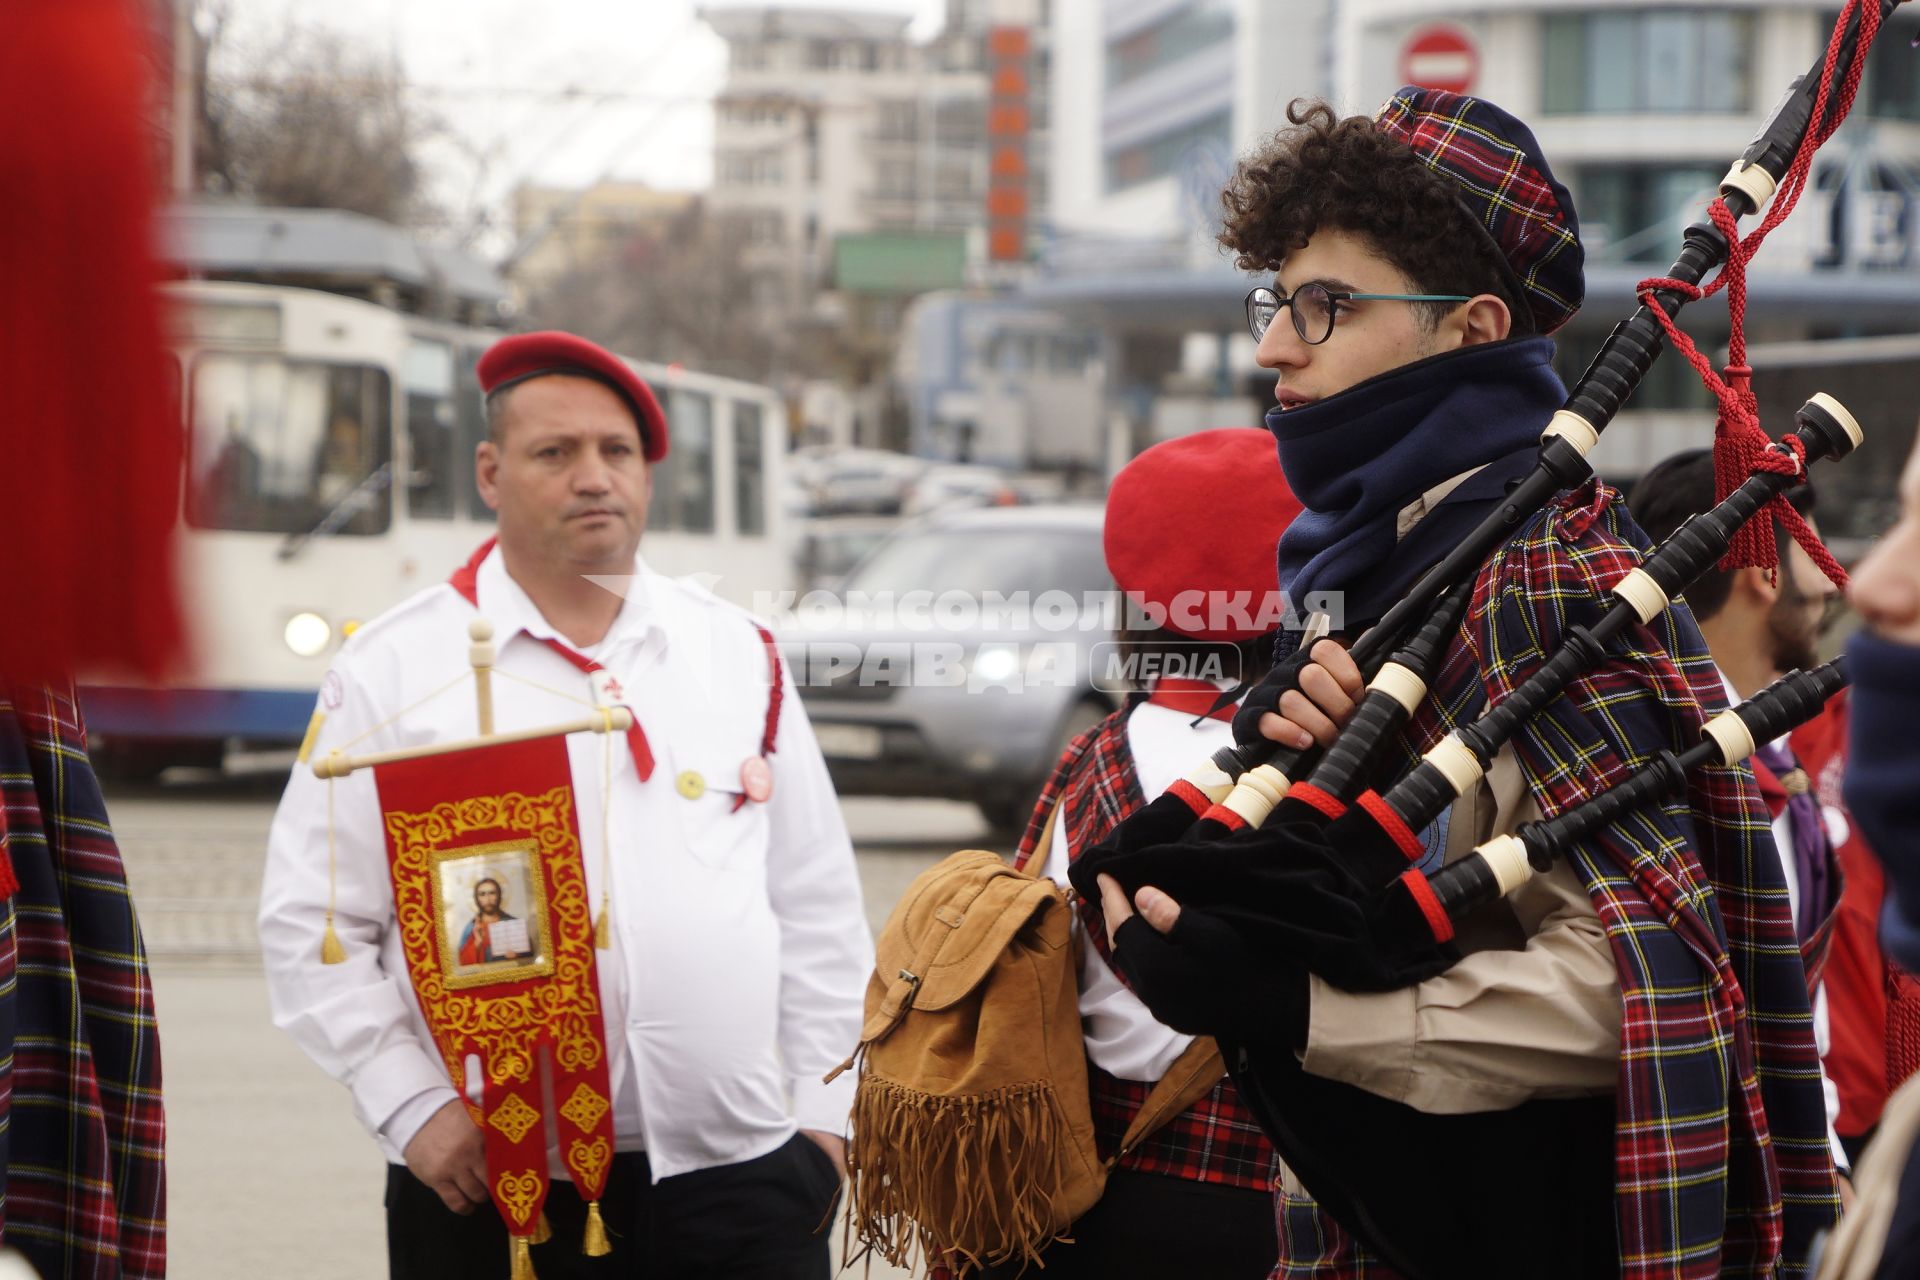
<point x="1532" y="1010"/>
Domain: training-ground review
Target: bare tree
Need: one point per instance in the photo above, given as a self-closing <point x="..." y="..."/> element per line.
<point x="681" y="294"/>
<point x="309" y="120"/>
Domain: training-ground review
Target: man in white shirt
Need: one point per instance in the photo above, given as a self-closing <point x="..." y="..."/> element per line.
<point x="738" y="950"/>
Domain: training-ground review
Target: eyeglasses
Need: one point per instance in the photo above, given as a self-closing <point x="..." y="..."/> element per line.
<point x="1313" y="309"/>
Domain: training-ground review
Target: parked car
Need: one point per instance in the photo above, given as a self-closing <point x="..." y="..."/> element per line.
<point x="940" y="704"/>
<point x="825" y="548"/>
<point x="870" y="481"/>
<point x="948" y="487"/>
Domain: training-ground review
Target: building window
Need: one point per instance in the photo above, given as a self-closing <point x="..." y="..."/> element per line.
<point x="894" y="180"/>
<point x="1188" y="30"/>
<point x="1638" y="213"/>
<point x="765" y="228"/>
<point x="1648" y="61"/>
<point x="1893" y="81"/>
<point x="899" y="121"/>
<point x="959" y="123"/>
<point x="1157" y="157"/>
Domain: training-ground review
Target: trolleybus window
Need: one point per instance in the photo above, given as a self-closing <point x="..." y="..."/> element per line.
<point x="691" y="430"/>
<point x="432" y="441"/>
<point x="683" y="480"/>
<point x="289" y="447"/>
<point x="749" y="470"/>
<point x="470" y="411"/>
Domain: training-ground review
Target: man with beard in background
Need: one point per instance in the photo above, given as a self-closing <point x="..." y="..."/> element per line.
<point x="1759" y="625"/>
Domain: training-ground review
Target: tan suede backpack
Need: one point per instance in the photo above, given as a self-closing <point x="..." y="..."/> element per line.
<point x="972" y="1136"/>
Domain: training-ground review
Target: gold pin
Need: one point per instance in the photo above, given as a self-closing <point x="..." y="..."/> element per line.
<point x="691" y="784"/>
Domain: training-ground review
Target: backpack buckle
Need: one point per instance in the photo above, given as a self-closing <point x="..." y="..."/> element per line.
<point x="912" y="980"/>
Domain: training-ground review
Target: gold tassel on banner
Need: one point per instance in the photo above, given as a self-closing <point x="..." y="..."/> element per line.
<point x="331" y="949"/>
<point x="596" y="1245"/>
<point x="542" y="1230"/>
<point x="603" y="928"/>
<point x="522" y="1259"/>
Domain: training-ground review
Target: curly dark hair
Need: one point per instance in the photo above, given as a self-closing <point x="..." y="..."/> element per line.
<point x="1345" y="174"/>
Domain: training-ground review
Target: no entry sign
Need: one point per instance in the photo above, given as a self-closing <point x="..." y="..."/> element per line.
<point x="1440" y="57"/>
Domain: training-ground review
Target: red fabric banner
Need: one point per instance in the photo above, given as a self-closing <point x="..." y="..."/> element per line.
<point x="491" y="893"/>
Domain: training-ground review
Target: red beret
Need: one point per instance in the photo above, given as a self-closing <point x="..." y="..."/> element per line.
<point x="1192" y="522"/>
<point x="522" y="356"/>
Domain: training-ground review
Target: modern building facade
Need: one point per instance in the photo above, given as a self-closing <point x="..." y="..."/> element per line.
<point x="854" y="163"/>
<point x="834" y="123"/>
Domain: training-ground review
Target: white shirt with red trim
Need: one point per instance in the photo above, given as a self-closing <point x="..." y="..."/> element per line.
<point x="741" y="949"/>
<point x="1123" y="1036"/>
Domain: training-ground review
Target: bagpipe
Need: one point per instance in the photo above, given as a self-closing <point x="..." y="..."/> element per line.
<point x="1330" y="884"/>
<point x="1286" y="864"/>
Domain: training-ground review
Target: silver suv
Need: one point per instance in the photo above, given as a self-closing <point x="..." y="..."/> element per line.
<point x="959" y="663"/>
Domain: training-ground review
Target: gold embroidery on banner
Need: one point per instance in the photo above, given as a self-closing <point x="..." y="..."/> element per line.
<point x="505" y="1027"/>
<point x="588" y="1160"/>
<point x="584" y="1108"/>
<point x="517" y="1193"/>
<point x="514" y="1117"/>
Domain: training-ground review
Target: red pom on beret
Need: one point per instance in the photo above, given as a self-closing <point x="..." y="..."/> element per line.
<point x="523" y="356"/>
<point x="1194" y="521"/>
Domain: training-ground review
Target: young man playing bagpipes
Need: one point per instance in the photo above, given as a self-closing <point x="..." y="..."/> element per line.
<point x="1650" y="979"/>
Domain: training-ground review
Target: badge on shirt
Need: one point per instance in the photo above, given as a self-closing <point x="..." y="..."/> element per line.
<point x="756" y="779"/>
<point x="606" y="688"/>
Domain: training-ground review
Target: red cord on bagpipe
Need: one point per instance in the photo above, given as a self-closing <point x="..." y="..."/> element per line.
<point x="1740" y="444"/>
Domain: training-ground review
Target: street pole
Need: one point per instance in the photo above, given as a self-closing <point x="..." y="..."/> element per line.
<point x="185" y="112"/>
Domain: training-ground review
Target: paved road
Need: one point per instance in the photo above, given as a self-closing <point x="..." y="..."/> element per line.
<point x="271" y="1175"/>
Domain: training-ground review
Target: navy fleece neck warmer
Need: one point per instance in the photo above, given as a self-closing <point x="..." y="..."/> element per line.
<point x="1358" y="458"/>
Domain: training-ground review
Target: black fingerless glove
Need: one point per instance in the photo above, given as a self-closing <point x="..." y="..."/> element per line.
<point x="1202" y="979"/>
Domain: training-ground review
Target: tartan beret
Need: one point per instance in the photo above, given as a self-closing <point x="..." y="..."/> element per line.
<point x="521" y="357"/>
<point x="1165" y="536"/>
<point x="1506" y="188"/>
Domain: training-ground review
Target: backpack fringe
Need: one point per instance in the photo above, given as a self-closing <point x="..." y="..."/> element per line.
<point x="952" y="1178"/>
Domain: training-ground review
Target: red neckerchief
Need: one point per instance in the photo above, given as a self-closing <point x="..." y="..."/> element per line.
<point x="1189" y="698"/>
<point x="466" y="580"/>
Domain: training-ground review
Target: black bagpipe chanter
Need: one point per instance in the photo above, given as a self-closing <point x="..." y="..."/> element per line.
<point x="1328" y="885"/>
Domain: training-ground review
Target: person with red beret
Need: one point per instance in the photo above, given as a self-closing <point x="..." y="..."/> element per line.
<point x="1195" y="1197"/>
<point x="738" y="949"/>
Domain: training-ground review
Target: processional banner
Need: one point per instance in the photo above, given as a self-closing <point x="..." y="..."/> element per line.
<point x="490" y="891"/>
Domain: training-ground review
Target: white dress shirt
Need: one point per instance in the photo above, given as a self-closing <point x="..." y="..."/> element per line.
<point x="740" y="950"/>
<point x="1822" y="1026"/>
<point x="1123" y="1036"/>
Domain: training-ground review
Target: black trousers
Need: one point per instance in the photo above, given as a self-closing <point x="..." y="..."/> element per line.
<point x="1149" y="1226"/>
<point x="762" y="1219"/>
